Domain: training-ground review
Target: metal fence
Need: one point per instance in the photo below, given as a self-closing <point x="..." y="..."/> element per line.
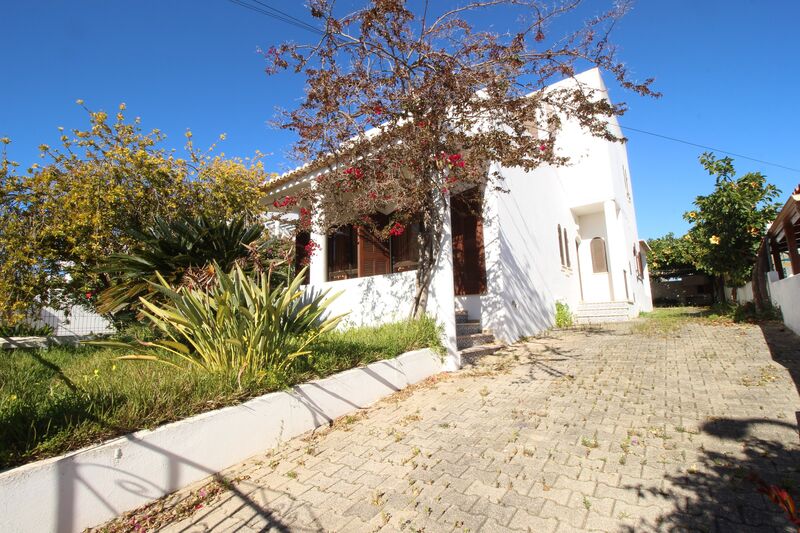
<point x="78" y="321"/>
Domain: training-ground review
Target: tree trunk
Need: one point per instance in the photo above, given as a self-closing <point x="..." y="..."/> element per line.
<point x="430" y="248"/>
<point x="758" y="279"/>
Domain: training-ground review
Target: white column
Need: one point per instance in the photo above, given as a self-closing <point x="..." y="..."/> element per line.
<point x="318" y="267"/>
<point x="441" y="298"/>
<point x="613" y="244"/>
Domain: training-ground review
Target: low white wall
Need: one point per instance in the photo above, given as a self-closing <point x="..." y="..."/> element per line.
<point x="90" y="486"/>
<point x="743" y="294"/>
<point x="372" y="300"/>
<point x="785" y="293"/>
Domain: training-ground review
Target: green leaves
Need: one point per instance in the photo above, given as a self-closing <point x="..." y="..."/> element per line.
<point x="182" y="251"/>
<point x="58" y="219"/>
<point x="240" y="324"/>
<point x="729" y="224"/>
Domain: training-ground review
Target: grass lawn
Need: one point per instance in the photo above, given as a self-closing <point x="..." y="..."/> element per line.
<point x="666" y="320"/>
<point x="61" y="399"/>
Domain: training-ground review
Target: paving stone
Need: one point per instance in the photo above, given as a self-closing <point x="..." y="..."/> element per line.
<point x="674" y="425"/>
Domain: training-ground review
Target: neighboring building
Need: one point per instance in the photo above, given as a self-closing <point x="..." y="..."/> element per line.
<point x="780" y="252"/>
<point x="560" y="234"/>
<point x="684" y="286"/>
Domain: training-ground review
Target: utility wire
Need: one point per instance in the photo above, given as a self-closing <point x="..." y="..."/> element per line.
<point x="710" y="148"/>
<point x="278" y="15"/>
<point x="266" y="9"/>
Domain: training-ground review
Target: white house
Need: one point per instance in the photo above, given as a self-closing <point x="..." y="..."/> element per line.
<point x="560" y="234"/>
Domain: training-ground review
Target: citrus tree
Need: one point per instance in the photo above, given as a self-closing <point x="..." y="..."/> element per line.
<point x="670" y="253"/>
<point x="729" y="224"/>
<point x="448" y="94"/>
<point x="91" y="194"/>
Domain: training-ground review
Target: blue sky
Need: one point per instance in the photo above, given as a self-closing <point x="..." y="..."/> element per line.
<point x="729" y="71"/>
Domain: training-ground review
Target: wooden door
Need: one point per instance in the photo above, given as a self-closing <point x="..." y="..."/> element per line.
<point x="469" y="267"/>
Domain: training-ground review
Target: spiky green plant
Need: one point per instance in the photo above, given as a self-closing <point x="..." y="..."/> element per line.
<point x="240" y="324"/>
<point x="182" y="252"/>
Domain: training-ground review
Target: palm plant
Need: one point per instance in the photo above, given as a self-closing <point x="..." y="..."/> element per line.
<point x="181" y="252"/>
<point x="240" y="324"/>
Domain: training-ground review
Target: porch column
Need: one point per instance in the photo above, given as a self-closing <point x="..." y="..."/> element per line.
<point x="318" y="266"/>
<point x="612" y="250"/>
<point x="442" y="295"/>
<point x="776" y="256"/>
<point x="791" y="242"/>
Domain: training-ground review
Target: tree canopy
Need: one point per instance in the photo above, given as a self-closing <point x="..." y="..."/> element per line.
<point x="447" y="96"/>
<point x="88" y="198"/>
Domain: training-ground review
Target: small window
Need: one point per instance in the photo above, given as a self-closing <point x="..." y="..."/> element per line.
<point x="560" y="246"/>
<point x="598" y="251"/>
<point x="566" y="249"/>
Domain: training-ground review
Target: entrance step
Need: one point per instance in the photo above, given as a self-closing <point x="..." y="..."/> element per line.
<point x="472" y="354"/>
<point x="476" y="339"/>
<point x="468" y="328"/>
<point x="472" y="340"/>
<point x="601" y="312"/>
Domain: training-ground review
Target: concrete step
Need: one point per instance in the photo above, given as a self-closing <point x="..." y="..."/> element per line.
<point x="600" y="319"/>
<point x="468" y="328"/>
<point x="473" y="353"/>
<point x="461" y="317"/>
<point x="476" y="339"/>
<point x="602" y="312"/>
<point x="604" y="305"/>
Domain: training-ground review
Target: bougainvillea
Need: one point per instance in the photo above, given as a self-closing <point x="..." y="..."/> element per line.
<point x="435" y="88"/>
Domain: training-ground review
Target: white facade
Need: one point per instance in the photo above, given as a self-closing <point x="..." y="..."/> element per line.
<point x="537" y="244"/>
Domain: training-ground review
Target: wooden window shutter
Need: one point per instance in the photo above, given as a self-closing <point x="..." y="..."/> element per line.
<point x="373" y="253"/>
<point x="342" y="254"/>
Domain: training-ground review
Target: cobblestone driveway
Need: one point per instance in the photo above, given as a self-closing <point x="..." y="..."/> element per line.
<point x="618" y="428"/>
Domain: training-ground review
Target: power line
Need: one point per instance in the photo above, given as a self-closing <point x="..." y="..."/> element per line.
<point x="278" y="15"/>
<point x="710" y="148"/>
<point x="289" y="16"/>
<point x="266" y="9"/>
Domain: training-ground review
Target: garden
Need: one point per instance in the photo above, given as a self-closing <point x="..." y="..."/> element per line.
<point x="209" y="308"/>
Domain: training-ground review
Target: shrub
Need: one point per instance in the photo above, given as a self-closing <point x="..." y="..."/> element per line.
<point x="182" y="252"/>
<point x="563" y="315"/>
<point x="23" y="329"/>
<point x="241" y="324"/>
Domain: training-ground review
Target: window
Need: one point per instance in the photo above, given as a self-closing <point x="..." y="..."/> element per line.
<point x="405" y="249"/>
<point x="566" y="249"/>
<point x="356" y="252"/>
<point x="561" y="246"/>
<point x="342" y="255"/>
<point x="598" y="250"/>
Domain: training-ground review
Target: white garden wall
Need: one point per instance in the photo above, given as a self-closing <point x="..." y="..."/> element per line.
<point x="785" y="293"/>
<point x="90" y="486"/>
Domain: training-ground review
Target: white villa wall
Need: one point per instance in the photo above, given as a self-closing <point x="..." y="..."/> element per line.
<point x="599" y="173"/>
<point x="528" y="278"/>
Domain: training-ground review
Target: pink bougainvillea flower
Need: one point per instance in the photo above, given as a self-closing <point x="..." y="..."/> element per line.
<point x="397" y="229"/>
